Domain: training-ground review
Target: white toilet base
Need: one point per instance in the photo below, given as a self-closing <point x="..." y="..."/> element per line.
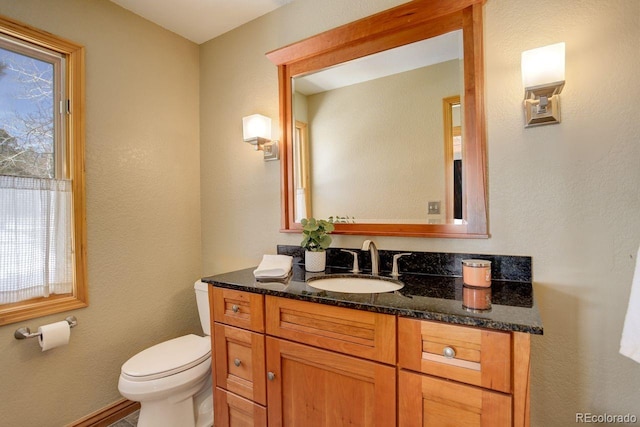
<point x="196" y="411"/>
<point x="203" y="404"/>
<point x="162" y="413"/>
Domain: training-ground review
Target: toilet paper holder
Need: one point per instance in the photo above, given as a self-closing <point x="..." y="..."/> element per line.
<point x="23" y="333"/>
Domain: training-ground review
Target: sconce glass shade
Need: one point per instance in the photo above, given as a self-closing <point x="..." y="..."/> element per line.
<point x="543" y="65"/>
<point x="543" y="80"/>
<point x="256" y="129"/>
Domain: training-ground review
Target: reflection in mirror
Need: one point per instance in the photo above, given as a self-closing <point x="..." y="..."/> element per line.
<point x="375" y="122"/>
<point x="365" y="141"/>
<point x="375" y="132"/>
<point x="451" y="113"/>
<point x="301" y="171"/>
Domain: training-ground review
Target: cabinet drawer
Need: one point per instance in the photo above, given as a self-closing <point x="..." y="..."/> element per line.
<point x="428" y="401"/>
<point x="471" y="355"/>
<point x="354" y="332"/>
<point x="240" y="363"/>
<point x="236" y="308"/>
<point x="235" y="411"/>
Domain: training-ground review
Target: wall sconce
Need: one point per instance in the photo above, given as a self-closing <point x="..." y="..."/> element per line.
<point x="256" y="130"/>
<point x="543" y="80"/>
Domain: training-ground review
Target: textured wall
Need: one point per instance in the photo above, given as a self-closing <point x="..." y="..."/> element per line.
<point x="143" y="212"/>
<point x="566" y="194"/>
<point x="362" y="135"/>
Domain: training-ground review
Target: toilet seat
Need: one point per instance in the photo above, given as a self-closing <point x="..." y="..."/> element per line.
<point x="167" y="358"/>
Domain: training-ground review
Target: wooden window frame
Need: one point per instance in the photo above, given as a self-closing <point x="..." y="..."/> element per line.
<point x="74" y="141"/>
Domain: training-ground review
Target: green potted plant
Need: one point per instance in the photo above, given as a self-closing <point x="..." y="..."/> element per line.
<point x="316" y="240"/>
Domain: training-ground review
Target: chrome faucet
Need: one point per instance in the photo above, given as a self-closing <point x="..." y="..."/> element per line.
<point x="368" y="245"/>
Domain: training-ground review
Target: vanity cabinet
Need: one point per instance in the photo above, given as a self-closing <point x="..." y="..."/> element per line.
<point x="238" y="358"/>
<point x="354" y="332"/>
<point x="339" y="371"/>
<point x="314" y="387"/>
<point x="286" y="362"/>
<point x="430" y="401"/>
<point x="476" y="377"/>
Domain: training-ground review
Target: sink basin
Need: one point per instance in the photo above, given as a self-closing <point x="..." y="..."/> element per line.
<point x="355" y="284"/>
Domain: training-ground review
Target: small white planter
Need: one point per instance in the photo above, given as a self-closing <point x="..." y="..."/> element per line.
<point x="315" y="261"/>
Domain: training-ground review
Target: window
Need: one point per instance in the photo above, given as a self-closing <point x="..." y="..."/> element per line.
<point x="42" y="213"/>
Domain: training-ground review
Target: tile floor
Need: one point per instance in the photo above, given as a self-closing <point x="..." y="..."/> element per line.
<point x="130" y="420"/>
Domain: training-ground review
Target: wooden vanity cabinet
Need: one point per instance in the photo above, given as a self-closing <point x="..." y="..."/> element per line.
<point x="233" y="410"/>
<point x="451" y="375"/>
<point x="309" y="364"/>
<point x="429" y="401"/>
<point x="238" y="357"/>
<point x="332" y="374"/>
<point x="354" y="332"/>
<point x="313" y="387"/>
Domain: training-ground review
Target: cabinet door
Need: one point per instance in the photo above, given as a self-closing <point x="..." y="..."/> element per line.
<point x="235" y="411"/>
<point x="313" y="388"/>
<point x="433" y="402"/>
<point x="239" y="362"/>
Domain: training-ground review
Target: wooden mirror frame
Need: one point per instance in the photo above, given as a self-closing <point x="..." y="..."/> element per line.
<point x="407" y="23"/>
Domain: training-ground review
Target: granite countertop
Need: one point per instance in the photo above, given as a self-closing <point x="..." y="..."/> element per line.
<point x="431" y="297"/>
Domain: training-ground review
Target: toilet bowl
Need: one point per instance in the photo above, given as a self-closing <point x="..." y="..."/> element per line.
<point x="172" y="380"/>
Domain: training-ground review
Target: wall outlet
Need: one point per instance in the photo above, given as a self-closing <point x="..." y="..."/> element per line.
<point x="433" y="208"/>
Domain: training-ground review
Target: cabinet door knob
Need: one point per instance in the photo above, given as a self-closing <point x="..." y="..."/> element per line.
<point x="237" y="362"/>
<point x="235" y="308"/>
<point x="449" y="352"/>
<point x="271" y="376"/>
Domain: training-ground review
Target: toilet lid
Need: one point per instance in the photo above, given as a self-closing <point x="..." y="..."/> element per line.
<point x="168" y="358"/>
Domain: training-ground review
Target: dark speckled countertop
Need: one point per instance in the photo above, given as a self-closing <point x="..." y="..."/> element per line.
<point x="424" y="296"/>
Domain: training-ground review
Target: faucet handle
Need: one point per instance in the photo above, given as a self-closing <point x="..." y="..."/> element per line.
<point x="356" y="268"/>
<point x="396" y="257"/>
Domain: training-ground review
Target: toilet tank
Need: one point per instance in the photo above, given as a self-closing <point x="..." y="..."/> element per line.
<point x="202" y="299"/>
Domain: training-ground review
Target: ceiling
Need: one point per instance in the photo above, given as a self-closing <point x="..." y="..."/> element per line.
<point x="200" y="20"/>
<point x="411" y="56"/>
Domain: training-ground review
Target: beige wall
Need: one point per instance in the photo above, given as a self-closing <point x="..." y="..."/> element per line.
<point x="143" y="212"/>
<point x="362" y="135"/>
<point x="567" y="194"/>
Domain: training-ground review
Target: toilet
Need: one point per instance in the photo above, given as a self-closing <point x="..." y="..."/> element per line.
<point x="172" y="380"/>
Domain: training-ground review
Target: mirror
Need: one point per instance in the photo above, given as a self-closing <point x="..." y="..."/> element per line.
<point x="347" y="111"/>
<point x="377" y="151"/>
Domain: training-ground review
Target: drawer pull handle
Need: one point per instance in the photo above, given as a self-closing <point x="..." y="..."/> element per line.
<point x="271" y="376"/>
<point x="237" y="362"/>
<point x="449" y="352"/>
<point x="235" y="308"/>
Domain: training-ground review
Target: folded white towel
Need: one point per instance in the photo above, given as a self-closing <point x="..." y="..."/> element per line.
<point x="630" y="341"/>
<point x="274" y="266"/>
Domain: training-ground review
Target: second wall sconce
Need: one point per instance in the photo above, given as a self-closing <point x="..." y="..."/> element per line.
<point x="256" y="130"/>
<point x="543" y="80"/>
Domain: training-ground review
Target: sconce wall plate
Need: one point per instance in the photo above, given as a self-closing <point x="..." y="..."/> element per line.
<point x="271" y="151"/>
<point x="543" y="80"/>
<point x="542" y="104"/>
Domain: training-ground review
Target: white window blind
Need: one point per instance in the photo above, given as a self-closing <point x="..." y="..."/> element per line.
<point x="36" y="253"/>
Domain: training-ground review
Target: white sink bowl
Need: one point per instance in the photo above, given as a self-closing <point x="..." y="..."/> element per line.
<point x="355" y="284"/>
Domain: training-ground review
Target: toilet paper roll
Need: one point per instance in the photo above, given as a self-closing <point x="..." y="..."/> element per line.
<point x="54" y="335"/>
